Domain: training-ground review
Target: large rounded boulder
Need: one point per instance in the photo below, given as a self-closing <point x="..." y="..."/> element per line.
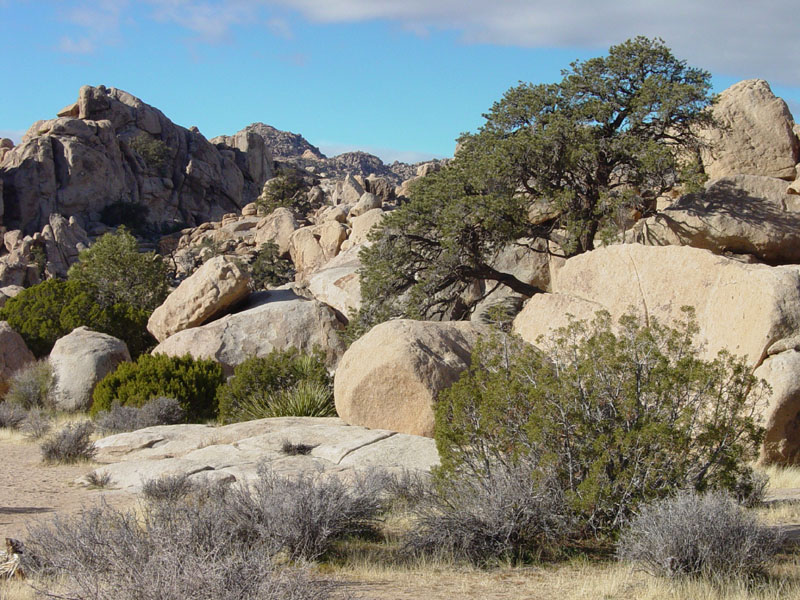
<point x="390" y="377"/>
<point x="80" y="360"/>
<point x="208" y="293"/>
<point x="14" y="354"/>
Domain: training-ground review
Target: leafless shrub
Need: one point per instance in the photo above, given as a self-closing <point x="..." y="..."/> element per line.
<point x="30" y="386"/>
<point x="298" y="449"/>
<point x="168" y="489"/>
<point x="188" y="550"/>
<point x="72" y="444"/>
<point x="707" y="535"/>
<point x="99" y="479"/>
<point x="303" y="514"/>
<point x="751" y="489"/>
<point x="12" y="416"/>
<point x="408" y="488"/>
<point x="505" y="514"/>
<point x="37" y="424"/>
<point x="159" y="411"/>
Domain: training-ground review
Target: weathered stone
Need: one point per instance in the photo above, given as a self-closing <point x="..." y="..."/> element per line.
<point x="366" y="203"/>
<point x="362" y="225"/>
<point x="277" y="227"/>
<point x="390" y="377"/>
<point x="756" y="136"/>
<point x="208" y="293"/>
<point x="14" y="354"/>
<point x="337" y="284"/>
<point x="312" y="247"/>
<point x="274" y="320"/>
<point x="782" y="416"/>
<point x="747" y="214"/>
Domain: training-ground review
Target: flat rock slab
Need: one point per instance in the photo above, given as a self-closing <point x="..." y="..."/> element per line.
<point x="235" y="452"/>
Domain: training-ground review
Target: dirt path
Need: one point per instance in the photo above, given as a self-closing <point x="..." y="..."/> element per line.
<point x="31" y="491"/>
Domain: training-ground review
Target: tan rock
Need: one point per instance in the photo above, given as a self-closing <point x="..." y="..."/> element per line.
<point x="274" y="320"/>
<point x="311" y="247"/>
<point x="250" y="210"/>
<point x="277" y="227"/>
<point x="743" y="214"/>
<point x="751" y="310"/>
<point x="80" y="360"/>
<point x="208" y="293"/>
<point x="363" y="224"/>
<point x="390" y="377"/>
<point x="366" y="203"/>
<point x="756" y="137"/>
<point x="337" y="284"/>
<point x="14" y="354"/>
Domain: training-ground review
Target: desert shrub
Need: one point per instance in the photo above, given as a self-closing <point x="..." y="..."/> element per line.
<point x="158" y="411"/>
<point x="617" y="418"/>
<point x="98" y="479"/>
<point x="503" y="514"/>
<point x="37" y="424"/>
<point x="302" y="515"/>
<point x="30" y="386"/>
<point x="155" y="152"/>
<point x="69" y="445"/>
<point x="288" y="190"/>
<point x="162" y="553"/>
<point x="692" y="534"/>
<point x="114" y="271"/>
<point x="117" y="419"/>
<point x="283" y="383"/>
<point x="296" y="449"/>
<point x="193" y="382"/>
<point x="12" y="416"/>
<point x="168" y="489"/>
<point x="268" y="268"/>
<point x="45" y="312"/>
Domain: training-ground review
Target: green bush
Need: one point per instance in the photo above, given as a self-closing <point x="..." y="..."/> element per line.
<point x="155" y="152"/>
<point x="192" y="382"/>
<point x="296" y="384"/>
<point x="115" y="272"/>
<point x="288" y="190"/>
<point x="45" y="312"/>
<point x="268" y="268"/>
<point x="619" y="418"/>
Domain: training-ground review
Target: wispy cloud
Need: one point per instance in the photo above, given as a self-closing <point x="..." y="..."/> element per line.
<point x="75" y="46"/>
<point x="209" y="21"/>
<point x="99" y="22"/>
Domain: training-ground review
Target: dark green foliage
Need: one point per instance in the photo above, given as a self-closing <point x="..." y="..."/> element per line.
<point x="617" y="418"/>
<point x="132" y="215"/>
<point x="269" y="268"/>
<point x="258" y="382"/>
<point x="155" y="152"/>
<point x="45" y="312"/>
<point x="192" y="382"/>
<point x="607" y="139"/>
<point x="288" y="190"/>
<point x="114" y="271"/>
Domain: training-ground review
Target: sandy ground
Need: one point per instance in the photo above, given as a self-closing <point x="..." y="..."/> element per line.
<point x="31" y="491"/>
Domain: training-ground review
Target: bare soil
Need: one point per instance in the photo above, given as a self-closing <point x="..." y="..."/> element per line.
<point x="32" y="491"/>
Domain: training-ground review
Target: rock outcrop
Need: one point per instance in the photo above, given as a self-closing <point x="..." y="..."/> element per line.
<point x="337" y="284"/>
<point x="751" y="310"/>
<point x="390" y="377"/>
<point x="234" y="452"/>
<point x="14" y="354"/>
<point x="274" y="320"/>
<point x="80" y="360"/>
<point x="208" y="293"/>
<point x="755" y="136"/>
<point x="111" y="147"/>
<point x="742" y="214"/>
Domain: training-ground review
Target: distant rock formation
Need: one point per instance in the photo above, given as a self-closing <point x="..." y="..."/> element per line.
<point x="108" y="148"/>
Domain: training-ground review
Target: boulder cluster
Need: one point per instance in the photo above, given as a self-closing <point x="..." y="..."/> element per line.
<point x="731" y="251"/>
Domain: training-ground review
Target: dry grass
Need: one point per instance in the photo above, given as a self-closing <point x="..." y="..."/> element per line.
<point x="569" y="581"/>
<point x="59" y="421"/>
<point x="782" y="477"/>
<point x="16" y="590"/>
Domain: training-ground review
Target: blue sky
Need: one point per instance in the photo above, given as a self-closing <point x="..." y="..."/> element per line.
<point x="398" y="79"/>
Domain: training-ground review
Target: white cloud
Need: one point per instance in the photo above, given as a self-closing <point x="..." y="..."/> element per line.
<point x="387" y="155"/>
<point x="741" y="38"/>
<point x="75" y="46"/>
<point x="212" y="21"/>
